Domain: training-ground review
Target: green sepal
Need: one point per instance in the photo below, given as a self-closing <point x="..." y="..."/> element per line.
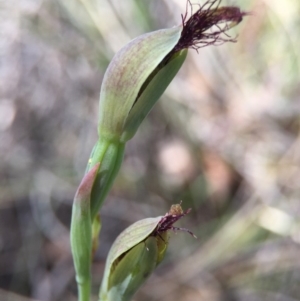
<point x="131" y="271"/>
<point x="126" y="74"/>
<point x="151" y="94"/>
<point x="132" y="236"/>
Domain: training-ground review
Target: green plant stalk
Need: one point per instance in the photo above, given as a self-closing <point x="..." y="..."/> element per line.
<point x="84" y="290"/>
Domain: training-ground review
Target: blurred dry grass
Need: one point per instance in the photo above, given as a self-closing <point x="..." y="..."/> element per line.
<point x="224" y="138"/>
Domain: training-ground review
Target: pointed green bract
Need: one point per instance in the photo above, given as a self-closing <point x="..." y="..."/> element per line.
<point x="81" y="233"/>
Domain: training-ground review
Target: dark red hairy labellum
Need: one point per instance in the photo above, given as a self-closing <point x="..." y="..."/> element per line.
<point x="171" y="217"/>
<point x="208" y="25"/>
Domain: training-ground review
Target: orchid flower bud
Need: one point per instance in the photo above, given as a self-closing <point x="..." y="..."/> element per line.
<point x="135" y="254"/>
<point x="127" y="73"/>
<point x="138" y="75"/>
<point x="123" y="106"/>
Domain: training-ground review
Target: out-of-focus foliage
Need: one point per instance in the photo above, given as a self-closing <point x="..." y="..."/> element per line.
<point x="224" y="139"/>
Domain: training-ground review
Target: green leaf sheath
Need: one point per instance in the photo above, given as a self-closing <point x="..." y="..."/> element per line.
<point x="151" y="94"/>
<point x="81" y="233"/>
<point x="110" y="154"/>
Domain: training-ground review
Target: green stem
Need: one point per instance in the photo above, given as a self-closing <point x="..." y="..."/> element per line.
<point x="84" y="290"/>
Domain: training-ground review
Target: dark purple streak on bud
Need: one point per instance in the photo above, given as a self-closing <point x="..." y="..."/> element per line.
<point x="208" y="25"/>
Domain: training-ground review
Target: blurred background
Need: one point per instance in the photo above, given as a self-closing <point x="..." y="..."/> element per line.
<point x="224" y="139"/>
